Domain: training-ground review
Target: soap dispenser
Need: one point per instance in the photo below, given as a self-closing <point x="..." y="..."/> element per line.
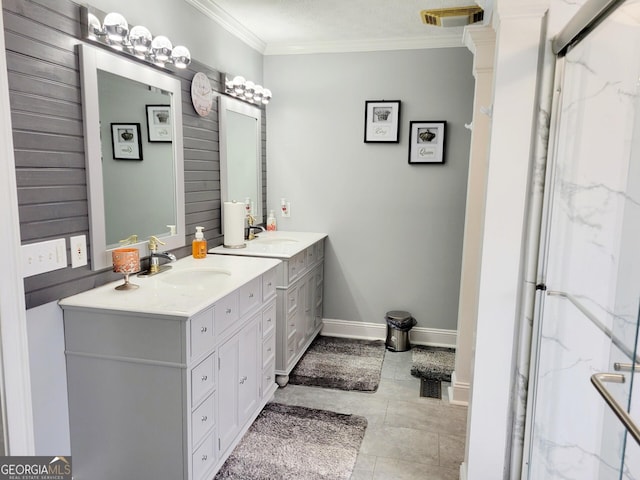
<point x="199" y="244"/>
<point x="271" y="221"/>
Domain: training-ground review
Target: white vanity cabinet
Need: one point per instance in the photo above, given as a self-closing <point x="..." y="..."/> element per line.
<point x="299" y="307"/>
<point x="157" y="394"/>
<point x="299" y="280"/>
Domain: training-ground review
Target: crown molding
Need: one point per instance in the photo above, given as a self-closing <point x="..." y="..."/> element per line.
<point x="230" y="24"/>
<point x="418" y="43"/>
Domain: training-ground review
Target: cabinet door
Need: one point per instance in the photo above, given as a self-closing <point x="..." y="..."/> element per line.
<point x="228" y="425"/>
<point x="238" y="380"/>
<point x="249" y="377"/>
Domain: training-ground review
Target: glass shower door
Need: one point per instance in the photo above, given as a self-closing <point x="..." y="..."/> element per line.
<point x="587" y="320"/>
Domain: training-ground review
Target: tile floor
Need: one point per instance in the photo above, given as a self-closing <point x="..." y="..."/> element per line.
<point x="408" y="437"/>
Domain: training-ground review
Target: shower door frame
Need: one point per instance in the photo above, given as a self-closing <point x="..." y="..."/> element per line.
<point x="585" y="20"/>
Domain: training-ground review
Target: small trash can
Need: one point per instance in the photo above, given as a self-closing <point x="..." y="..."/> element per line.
<point x="398" y="325"/>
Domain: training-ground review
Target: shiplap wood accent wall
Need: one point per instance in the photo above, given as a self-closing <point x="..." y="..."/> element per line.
<point x="46" y="112"/>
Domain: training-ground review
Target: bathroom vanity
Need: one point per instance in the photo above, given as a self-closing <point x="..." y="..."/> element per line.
<point x="164" y="380"/>
<point x="299" y="285"/>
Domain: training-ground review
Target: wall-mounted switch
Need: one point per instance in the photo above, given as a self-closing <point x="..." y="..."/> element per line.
<point x="78" y="247"/>
<point x="43" y="257"/>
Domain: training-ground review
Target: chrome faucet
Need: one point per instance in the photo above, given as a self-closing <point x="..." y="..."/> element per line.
<point x="155" y="256"/>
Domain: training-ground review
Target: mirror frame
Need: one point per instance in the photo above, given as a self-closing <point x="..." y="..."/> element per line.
<point x="93" y="59"/>
<point x="228" y="104"/>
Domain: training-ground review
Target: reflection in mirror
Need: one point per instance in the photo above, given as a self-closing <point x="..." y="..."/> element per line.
<point x="133" y="137"/>
<point x="240" y="153"/>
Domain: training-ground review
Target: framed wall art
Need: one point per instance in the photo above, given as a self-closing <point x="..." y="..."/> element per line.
<point x="382" y="121"/>
<point x="159" y="126"/>
<point x="426" y="141"/>
<point x="126" y="141"/>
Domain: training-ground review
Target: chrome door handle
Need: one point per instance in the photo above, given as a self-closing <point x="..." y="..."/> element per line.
<point x="598" y="380"/>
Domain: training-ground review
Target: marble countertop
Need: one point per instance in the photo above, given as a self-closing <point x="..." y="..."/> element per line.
<point x="278" y="244"/>
<point x="189" y="287"/>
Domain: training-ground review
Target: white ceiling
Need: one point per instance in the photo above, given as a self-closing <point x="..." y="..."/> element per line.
<point x="311" y="26"/>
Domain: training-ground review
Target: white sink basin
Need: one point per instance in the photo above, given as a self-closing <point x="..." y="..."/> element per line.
<point x="276" y="241"/>
<point x="193" y="277"/>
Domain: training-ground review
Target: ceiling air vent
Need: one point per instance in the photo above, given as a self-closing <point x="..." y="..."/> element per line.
<point x="452" y="17"/>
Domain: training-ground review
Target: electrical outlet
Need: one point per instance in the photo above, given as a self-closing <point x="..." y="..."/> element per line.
<point x="78" y="245"/>
<point x="285" y="208"/>
<point x="43" y="257"/>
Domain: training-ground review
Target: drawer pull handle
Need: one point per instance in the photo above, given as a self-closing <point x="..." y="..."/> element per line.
<point x="204" y="418"/>
<point x="268" y="349"/>
<point x="251" y="295"/>
<point x="204" y="378"/>
<point x="203" y="330"/>
<point x="228" y="311"/>
<point x="269" y="284"/>
<point x="204" y="458"/>
<point x="242" y="380"/>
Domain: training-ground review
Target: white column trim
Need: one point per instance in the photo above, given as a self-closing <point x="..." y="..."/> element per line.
<point x="481" y="42"/>
<point x="16" y="378"/>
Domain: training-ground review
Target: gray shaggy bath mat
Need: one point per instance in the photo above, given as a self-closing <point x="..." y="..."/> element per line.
<point x="341" y="363"/>
<point x="296" y="443"/>
<point x="433" y="363"/>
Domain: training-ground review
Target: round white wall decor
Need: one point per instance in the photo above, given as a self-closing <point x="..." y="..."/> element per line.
<point x="201" y="94"/>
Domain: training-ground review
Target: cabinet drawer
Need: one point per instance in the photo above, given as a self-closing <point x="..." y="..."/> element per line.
<point x="201" y="333"/>
<point x="268" y="284"/>
<point x="203" y="419"/>
<point x="268" y="350"/>
<point x="291" y="299"/>
<point x="203" y="458"/>
<point x="320" y="249"/>
<point x="250" y="295"/>
<point x="226" y="312"/>
<point x="268" y="377"/>
<point x="268" y="320"/>
<point x="292" y="343"/>
<point x="312" y="254"/>
<point x="291" y="326"/>
<point x="296" y="265"/>
<point x="203" y="379"/>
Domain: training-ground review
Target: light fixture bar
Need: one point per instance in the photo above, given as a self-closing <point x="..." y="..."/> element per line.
<point x="245" y="90"/>
<point x="114" y="32"/>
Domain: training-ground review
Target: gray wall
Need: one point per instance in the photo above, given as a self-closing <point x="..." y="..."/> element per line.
<point x="395" y="230"/>
<point x="44" y="83"/>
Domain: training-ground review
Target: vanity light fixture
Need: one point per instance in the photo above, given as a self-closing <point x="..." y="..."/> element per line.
<point x="114" y="32"/>
<point x="246" y="90"/>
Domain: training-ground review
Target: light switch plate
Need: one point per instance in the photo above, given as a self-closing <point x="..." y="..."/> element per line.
<point x="43" y="257"/>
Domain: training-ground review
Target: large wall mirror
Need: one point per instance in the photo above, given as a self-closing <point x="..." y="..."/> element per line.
<point x="240" y="126"/>
<point x="133" y="141"/>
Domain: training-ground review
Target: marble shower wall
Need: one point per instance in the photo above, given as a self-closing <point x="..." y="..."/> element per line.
<point x="594" y="257"/>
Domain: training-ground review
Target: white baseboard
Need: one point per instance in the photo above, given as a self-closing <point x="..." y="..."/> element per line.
<point x="435" y="337"/>
<point x="458" y="391"/>
<point x="463" y="471"/>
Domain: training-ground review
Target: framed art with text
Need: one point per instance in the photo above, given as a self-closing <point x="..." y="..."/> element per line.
<point x="127" y="144"/>
<point x="159" y="123"/>
<point x="382" y="121"/>
<point x="426" y="141"/>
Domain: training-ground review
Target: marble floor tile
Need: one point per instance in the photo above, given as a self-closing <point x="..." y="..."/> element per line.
<point x="408" y="437"/>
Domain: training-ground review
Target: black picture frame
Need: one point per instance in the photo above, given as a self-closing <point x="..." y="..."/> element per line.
<point x="127" y="144"/>
<point x="159" y="123"/>
<point x="427" y="142"/>
<point x="382" y="121"/>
